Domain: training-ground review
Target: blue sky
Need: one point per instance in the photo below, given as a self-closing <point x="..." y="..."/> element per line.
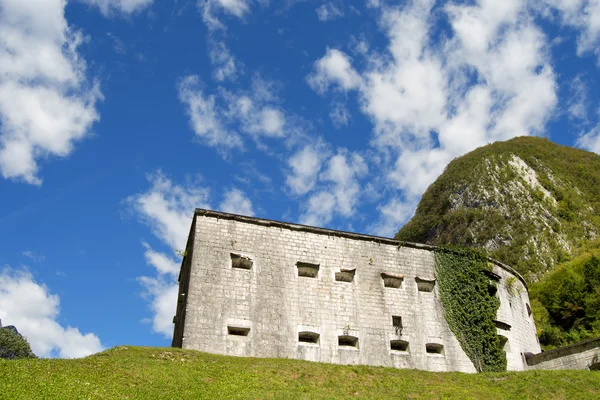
<point x="119" y="117"/>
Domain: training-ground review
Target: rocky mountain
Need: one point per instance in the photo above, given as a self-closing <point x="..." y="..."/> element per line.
<point x="527" y="202"/>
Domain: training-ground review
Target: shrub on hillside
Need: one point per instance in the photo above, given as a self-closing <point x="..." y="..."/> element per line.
<point x="13" y="345"/>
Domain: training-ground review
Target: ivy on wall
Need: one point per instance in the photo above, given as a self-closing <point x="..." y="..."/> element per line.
<point x="470" y="306"/>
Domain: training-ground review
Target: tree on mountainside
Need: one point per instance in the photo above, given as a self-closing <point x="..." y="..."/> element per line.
<point x="569" y="303"/>
<point x="13" y="345"/>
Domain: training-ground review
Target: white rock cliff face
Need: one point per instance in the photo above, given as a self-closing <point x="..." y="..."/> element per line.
<point x="520" y="199"/>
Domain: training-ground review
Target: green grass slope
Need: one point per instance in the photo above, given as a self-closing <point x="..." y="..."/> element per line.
<point x="527" y="202"/>
<point x="167" y="373"/>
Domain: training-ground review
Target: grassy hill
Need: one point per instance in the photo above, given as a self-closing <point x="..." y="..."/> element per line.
<point x="167" y="373"/>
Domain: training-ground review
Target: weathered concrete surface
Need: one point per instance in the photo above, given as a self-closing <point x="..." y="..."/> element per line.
<point x="583" y="355"/>
<point x="271" y="311"/>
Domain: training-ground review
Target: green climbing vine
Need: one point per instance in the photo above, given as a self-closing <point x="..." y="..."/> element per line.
<point x="470" y="306"/>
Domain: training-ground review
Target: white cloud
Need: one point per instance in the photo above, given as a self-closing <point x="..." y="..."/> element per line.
<point x="46" y="102"/>
<point x="591" y="140"/>
<point x="236" y="202"/>
<point x="210" y="8"/>
<point x="34" y="256"/>
<point x="164" y="264"/>
<point x="161" y="290"/>
<point x="205" y="117"/>
<point x="226" y="67"/>
<point x="167" y="208"/>
<point x="393" y="215"/>
<point x="339" y="115"/>
<point x="162" y="294"/>
<point x="217" y="119"/>
<point x="358" y="45"/>
<point x="30" y="307"/>
<point x="328" y="11"/>
<point x="578" y="96"/>
<point x="254" y="116"/>
<point x="234" y="7"/>
<point x="339" y="192"/>
<point x="491" y="79"/>
<point x="583" y="15"/>
<point x="124" y="6"/>
<point x="304" y="166"/>
<point x="334" y="68"/>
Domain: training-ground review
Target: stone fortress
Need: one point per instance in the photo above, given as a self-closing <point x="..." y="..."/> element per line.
<point x="261" y="288"/>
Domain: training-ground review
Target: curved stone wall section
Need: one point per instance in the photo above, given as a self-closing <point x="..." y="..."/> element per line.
<point x="270" y="289"/>
<point x="514" y="320"/>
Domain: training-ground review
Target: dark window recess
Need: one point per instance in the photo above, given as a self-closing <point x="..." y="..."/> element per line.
<point x="491" y="275"/>
<point x="492" y="288"/>
<point x="238" y="331"/>
<point x="425" y="285"/>
<point x="392" y="281"/>
<point x="241" y="262"/>
<point x="347" y="341"/>
<point x="502" y="325"/>
<point x="397" y="324"/>
<point x="345" y="275"/>
<point x="528" y="309"/>
<point x="399" y="345"/>
<point x="504" y="343"/>
<point x="308" y="337"/>
<point x="307" y="270"/>
<point x="434" y="348"/>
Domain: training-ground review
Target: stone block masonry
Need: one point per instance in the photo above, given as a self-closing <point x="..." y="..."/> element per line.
<point x="583" y="355"/>
<point x="262" y="288"/>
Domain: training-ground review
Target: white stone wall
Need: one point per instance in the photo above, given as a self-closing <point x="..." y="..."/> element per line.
<point x="513" y="312"/>
<point x="276" y="304"/>
<point x="583" y="355"/>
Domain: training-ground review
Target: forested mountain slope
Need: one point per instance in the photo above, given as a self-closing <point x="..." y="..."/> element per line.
<point x="527" y="202"/>
<point x="534" y="205"/>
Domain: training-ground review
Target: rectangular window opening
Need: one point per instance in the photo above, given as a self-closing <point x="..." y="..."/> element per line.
<point x="397" y="324"/>
<point x="392" y="281"/>
<point x="502" y="325"/>
<point x="308" y="337"/>
<point x="347" y="341"/>
<point x="434" y="348"/>
<point x="399" y="345"/>
<point x="307" y="270"/>
<point x="425" y="285"/>
<point x="241" y="262"/>
<point x="345" y="275"/>
<point x="238" y="331"/>
<point x="491" y="275"/>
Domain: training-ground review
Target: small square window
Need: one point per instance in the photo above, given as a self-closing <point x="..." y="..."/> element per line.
<point x="397" y="324"/>
<point x="345" y="275"/>
<point x="307" y="270"/>
<point x="308" y="337"/>
<point x="425" y="285"/>
<point x="241" y="262"/>
<point x="434" y="348"/>
<point x="347" y="341"/>
<point x="392" y="281"/>
<point x="238" y="331"/>
<point x="399" y="345"/>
